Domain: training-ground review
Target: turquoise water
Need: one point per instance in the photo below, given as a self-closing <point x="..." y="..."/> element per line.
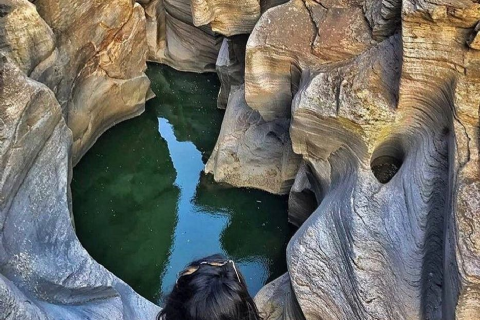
<point x="144" y="208"/>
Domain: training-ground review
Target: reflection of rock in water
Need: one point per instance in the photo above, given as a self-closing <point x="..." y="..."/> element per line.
<point x="125" y="201"/>
<point x="187" y="99"/>
<point x="257" y="228"/>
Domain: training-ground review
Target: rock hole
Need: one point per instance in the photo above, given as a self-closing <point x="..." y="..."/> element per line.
<point x="5" y="9"/>
<point x="386" y="162"/>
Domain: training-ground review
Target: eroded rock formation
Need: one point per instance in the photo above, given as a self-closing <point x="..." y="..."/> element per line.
<point x="67" y="72"/>
<point x="380" y="97"/>
<point x="174" y="40"/>
<point x="366" y="111"/>
<point x="89" y="68"/>
<point x="230" y="66"/>
<point x="251" y="152"/>
<point x="388" y="125"/>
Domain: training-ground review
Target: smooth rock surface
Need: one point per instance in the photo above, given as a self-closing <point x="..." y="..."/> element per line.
<point x="295" y="37"/>
<point x="98" y="44"/>
<point x="404" y="246"/>
<point x="174" y="40"/>
<point x="67" y="72"/>
<point x="251" y="152"/>
<point x="44" y="271"/>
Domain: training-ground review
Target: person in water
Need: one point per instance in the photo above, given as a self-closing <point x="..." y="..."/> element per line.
<point x="210" y="289"/>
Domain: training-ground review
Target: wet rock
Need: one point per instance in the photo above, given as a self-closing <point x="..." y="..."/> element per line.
<point x="251" y="152"/>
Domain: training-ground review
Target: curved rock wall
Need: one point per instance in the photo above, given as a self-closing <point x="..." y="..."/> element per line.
<point x="107" y="53"/>
<point x="68" y="71"/>
<point x="251" y="152"/>
<point x="188" y="34"/>
<point x="174" y="40"/>
<point x="382" y="105"/>
<point x="367" y="112"/>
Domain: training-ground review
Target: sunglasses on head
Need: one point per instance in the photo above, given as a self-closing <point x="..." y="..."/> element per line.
<point x="192" y="269"/>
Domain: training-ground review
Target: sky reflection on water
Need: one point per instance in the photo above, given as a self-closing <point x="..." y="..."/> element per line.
<point x="144" y="208"/>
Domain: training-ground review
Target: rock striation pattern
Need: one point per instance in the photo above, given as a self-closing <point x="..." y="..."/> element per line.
<point x="68" y="71"/>
<point x="387" y="123"/>
<point x="366" y="112"/>
<point x="380" y="100"/>
<point x="87" y="73"/>
<point x="226" y="17"/>
<point x="173" y="39"/>
<point x="251" y="152"/>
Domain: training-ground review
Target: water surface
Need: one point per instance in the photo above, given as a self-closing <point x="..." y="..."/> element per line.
<point x="144" y="208"/>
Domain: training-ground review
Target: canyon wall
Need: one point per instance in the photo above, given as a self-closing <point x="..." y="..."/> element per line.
<point x="380" y="100"/>
<point x="173" y="39"/>
<point x="365" y="112"/>
<point x="68" y="71"/>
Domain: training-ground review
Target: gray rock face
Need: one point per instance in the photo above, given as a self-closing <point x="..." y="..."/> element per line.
<point x="91" y="66"/>
<point x="277" y="300"/>
<point x="92" y="47"/>
<point x="230" y="66"/>
<point x="44" y="271"/>
<point x="305" y="195"/>
<point x="101" y="50"/>
<point x="390" y="140"/>
<point x="251" y="152"/>
<point x="188" y="34"/>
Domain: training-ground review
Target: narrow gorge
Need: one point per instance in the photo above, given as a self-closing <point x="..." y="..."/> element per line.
<point x="365" y="114"/>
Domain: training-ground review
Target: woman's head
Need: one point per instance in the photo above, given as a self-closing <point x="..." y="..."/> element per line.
<point x="210" y="289"/>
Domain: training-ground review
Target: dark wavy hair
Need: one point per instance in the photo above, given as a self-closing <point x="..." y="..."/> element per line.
<point x="210" y="292"/>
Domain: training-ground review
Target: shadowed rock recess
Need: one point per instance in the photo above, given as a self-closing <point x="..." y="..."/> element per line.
<point x="366" y="112"/>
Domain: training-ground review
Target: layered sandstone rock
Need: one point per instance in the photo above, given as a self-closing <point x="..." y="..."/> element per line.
<point x="251" y="152"/>
<point x="225" y="16"/>
<point x="230" y="17"/>
<point x="174" y="40"/>
<point x="44" y="271"/>
<point x="94" y="59"/>
<point x="277" y="54"/>
<point x="66" y="75"/>
<point x="230" y="66"/>
<point x="390" y="137"/>
<point x="187" y="35"/>
<point x="99" y="63"/>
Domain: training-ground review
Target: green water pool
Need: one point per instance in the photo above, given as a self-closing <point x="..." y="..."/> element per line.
<point x="144" y="208"/>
